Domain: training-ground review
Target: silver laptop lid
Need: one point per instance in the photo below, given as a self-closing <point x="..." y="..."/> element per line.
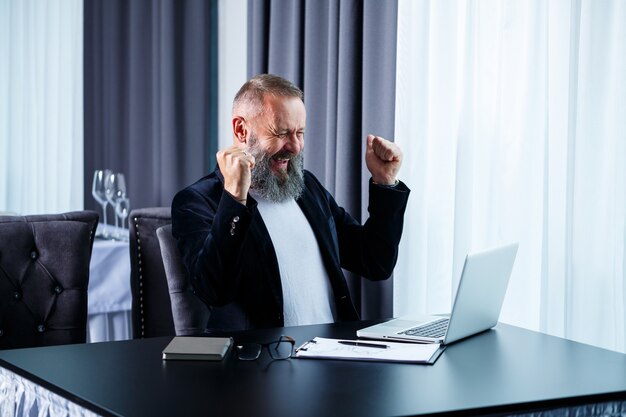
<point x="477" y="304"/>
<point x="481" y="292"/>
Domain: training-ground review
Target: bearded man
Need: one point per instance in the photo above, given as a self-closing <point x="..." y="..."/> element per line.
<point x="263" y="241"/>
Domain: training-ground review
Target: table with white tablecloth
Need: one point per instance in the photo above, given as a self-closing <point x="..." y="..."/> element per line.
<point x="109" y="297"/>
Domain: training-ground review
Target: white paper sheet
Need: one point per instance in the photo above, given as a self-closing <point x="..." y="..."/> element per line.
<point x="323" y="348"/>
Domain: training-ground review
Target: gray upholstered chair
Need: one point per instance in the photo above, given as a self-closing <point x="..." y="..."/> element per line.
<point x="44" y="275"/>
<point x="151" y="310"/>
<point x="190" y="314"/>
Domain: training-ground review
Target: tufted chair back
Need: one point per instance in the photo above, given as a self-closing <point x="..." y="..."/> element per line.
<point x="191" y="315"/>
<point x="44" y="275"/>
<point x="151" y="308"/>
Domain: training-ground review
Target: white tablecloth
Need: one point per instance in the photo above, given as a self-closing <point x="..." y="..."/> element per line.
<point x="109" y="298"/>
<point x="22" y="397"/>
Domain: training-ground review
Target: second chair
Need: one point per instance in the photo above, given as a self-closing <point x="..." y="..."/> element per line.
<point x="151" y="312"/>
<point x="190" y="314"/>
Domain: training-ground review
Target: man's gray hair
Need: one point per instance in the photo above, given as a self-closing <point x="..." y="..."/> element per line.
<point x="251" y="94"/>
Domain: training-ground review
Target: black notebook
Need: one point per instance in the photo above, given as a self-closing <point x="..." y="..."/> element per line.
<point x="197" y="348"/>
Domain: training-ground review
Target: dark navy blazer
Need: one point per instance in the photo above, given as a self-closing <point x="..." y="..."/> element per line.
<point x="232" y="264"/>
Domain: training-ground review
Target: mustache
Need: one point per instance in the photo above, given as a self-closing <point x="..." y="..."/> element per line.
<point x="283" y="155"/>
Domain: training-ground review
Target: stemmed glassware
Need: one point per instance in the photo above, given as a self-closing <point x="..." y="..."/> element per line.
<point x="122" y="208"/>
<point x="109" y="187"/>
<point x="98" y="191"/>
<point x="115" y="190"/>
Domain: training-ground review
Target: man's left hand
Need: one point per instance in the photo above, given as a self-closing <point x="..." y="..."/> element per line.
<point x="383" y="159"/>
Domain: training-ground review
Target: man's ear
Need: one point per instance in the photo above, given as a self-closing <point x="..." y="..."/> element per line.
<point x="240" y="131"/>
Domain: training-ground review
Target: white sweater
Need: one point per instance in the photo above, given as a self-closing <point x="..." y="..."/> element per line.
<point x="307" y="294"/>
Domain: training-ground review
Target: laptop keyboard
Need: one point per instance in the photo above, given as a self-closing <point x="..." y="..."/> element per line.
<point x="436" y="328"/>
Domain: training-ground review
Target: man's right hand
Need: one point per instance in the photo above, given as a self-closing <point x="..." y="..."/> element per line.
<point x="236" y="165"/>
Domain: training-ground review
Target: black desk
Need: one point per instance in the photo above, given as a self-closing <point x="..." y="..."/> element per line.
<point x="500" y="371"/>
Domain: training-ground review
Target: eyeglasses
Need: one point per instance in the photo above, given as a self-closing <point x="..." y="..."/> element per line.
<point x="279" y="349"/>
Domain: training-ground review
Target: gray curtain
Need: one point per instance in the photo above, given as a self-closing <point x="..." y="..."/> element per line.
<point x="343" y="55"/>
<point x="150" y="94"/>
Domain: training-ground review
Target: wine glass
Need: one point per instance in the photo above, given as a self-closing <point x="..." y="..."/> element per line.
<point x="122" y="209"/>
<point x="115" y="189"/>
<point x="98" y="192"/>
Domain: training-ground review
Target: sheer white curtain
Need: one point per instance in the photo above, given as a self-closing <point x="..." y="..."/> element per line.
<point x="41" y="106"/>
<point x="232" y="63"/>
<point x="512" y="116"/>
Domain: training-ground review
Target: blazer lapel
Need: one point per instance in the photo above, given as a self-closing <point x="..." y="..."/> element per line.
<point x="325" y="232"/>
<point x="321" y="228"/>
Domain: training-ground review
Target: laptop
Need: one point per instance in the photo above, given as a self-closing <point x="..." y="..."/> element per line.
<point x="476" y="307"/>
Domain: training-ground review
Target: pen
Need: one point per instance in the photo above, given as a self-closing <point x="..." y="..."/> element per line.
<point x="362" y="344"/>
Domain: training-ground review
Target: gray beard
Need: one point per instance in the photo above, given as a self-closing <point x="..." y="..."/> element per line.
<point x="276" y="187"/>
